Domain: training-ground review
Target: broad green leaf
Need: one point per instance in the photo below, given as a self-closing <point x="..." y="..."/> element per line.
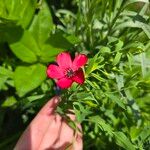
<point x="21" y="10"/>
<point x="55" y="44"/>
<point x="49" y="52"/>
<point x="72" y="39"/>
<point x="10" y="31"/>
<point x="123" y="141"/>
<point x="27" y="78"/>
<point x="26" y="48"/>
<point x="58" y="40"/>
<point x="42" y="24"/>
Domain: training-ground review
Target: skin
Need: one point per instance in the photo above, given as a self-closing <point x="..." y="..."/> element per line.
<point x="49" y="131"/>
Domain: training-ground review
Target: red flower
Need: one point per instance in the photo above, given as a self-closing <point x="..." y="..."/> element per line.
<point x="67" y="71"/>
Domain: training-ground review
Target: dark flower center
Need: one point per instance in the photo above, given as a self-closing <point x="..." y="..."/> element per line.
<point x="70" y="73"/>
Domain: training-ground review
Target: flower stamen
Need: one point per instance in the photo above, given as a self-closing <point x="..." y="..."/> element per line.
<point x="69" y="73"/>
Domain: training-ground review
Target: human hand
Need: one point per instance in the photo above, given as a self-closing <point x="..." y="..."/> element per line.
<point x="49" y="131"/>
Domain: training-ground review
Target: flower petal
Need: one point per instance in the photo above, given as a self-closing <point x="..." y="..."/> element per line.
<point x="79" y="77"/>
<point x="79" y="61"/>
<point x="64" y="83"/>
<point x="64" y="60"/>
<point x="54" y="71"/>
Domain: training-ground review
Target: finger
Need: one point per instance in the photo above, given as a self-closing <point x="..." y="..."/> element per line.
<point x="77" y="137"/>
<point x="69" y="137"/>
<point x="78" y="142"/>
<point x="52" y="134"/>
<point x="65" y="137"/>
<point x="35" y="132"/>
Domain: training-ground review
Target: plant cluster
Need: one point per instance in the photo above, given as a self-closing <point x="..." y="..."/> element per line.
<point x="113" y="104"/>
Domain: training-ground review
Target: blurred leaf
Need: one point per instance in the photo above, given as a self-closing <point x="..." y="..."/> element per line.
<point x="93" y="64"/>
<point x="10" y="101"/>
<point x="35" y="97"/>
<point x="81" y="112"/>
<point x="72" y="39"/>
<point x="116" y="99"/>
<point x="128" y="2"/>
<point x="26" y="48"/>
<point x="55" y="44"/>
<point x="48" y="53"/>
<point x="28" y="78"/>
<point x="58" y="40"/>
<point x="6" y="72"/>
<point x="10" y="31"/>
<point x="3" y="79"/>
<point x="134" y="47"/>
<point x="102" y="124"/>
<point x="105" y="49"/>
<point x="123" y="141"/>
<point x="117" y="58"/>
<point x="144" y="135"/>
<point x="120" y="81"/>
<point x="21" y="10"/>
<point x="119" y="45"/>
<point x="134" y="132"/>
<point x="135" y="24"/>
<point x="42" y="24"/>
<point x="96" y="76"/>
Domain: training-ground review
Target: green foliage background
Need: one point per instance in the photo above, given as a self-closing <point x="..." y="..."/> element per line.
<point x="113" y="105"/>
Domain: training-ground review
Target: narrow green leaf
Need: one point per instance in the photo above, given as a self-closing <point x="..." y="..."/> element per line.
<point x="10" y="101"/>
<point x="116" y="99"/>
<point x="123" y="141"/>
<point x="135" y="1"/>
<point x="119" y="45"/>
<point x="98" y="77"/>
<point x="117" y="58"/>
<point x="102" y="124"/>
